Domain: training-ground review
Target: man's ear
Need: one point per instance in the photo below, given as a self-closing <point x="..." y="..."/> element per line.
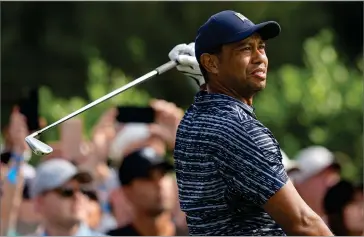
<point x="210" y="63"/>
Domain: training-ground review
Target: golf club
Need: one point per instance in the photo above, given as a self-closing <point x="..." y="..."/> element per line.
<point x="40" y="148"/>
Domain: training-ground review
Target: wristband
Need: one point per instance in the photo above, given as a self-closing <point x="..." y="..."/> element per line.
<point x="17" y="158"/>
<point x="13" y="171"/>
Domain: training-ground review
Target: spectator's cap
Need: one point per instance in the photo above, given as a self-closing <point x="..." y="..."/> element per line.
<point x="289" y="165"/>
<point x="228" y="27"/>
<point x="54" y="173"/>
<point x="139" y="164"/>
<point x="131" y="132"/>
<point x="312" y="161"/>
<point x="338" y="196"/>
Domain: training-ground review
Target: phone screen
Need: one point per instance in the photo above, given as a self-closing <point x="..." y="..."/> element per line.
<point x="133" y="114"/>
<point x="29" y="108"/>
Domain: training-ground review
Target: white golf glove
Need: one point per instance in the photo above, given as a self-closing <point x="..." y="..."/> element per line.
<point x="184" y="54"/>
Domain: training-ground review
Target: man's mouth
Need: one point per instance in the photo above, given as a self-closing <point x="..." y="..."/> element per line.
<point x="259" y="72"/>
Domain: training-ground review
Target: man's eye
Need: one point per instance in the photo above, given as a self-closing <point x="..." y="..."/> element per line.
<point x="262" y="46"/>
<point x="246" y="48"/>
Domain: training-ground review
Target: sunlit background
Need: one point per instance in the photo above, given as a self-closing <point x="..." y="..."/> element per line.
<point x="76" y="52"/>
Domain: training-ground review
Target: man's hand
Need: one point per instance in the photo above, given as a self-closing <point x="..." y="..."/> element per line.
<point x="18" y="130"/>
<point x="168" y="117"/>
<point x="104" y="132"/>
<point x="185" y="55"/>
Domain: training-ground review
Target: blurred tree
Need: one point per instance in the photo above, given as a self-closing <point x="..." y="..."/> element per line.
<point x="102" y="79"/>
<point x="319" y="104"/>
<point x="313" y="96"/>
<point x="49" y="43"/>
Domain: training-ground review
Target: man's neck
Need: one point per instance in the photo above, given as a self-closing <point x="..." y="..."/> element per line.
<point x="230" y="92"/>
<point x="161" y="225"/>
<point x="58" y="230"/>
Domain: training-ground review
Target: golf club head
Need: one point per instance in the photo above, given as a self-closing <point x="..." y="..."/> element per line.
<point x="38" y="147"/>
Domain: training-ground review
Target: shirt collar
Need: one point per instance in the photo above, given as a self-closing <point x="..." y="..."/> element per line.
<point x="206" y="99"/>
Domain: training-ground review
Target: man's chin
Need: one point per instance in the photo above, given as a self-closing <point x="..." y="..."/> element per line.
<point x="260" y="86"/>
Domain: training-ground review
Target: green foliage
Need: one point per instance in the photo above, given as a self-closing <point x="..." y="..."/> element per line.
<point x="102" y="80"/>
<point x="316" y="104"/>
<point x="319" y="104"/>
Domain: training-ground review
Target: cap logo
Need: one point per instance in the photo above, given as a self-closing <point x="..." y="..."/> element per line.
<point x="243" y="18"/>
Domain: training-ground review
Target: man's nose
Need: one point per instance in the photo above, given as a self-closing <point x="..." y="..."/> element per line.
<point x="78" y="195"/>
<point x="257" y="56"/>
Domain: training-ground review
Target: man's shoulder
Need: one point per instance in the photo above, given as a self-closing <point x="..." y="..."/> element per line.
<point x="127" y="230"/>
<point x="220" y="115"/>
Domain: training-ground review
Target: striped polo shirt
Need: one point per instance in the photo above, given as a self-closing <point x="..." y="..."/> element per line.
<point x="228" y="165"/>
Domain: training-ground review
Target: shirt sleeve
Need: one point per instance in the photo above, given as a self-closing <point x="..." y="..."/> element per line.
<point x="250" y="161"/>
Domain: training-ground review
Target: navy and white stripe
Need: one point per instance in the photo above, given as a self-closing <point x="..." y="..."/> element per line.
<point x="228" y="165"/>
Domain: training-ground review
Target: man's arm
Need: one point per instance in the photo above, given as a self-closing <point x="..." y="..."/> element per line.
<point x="254" y="164"/>
<point x="295" y="217"/>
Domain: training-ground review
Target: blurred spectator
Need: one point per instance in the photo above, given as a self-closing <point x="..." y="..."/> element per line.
<point x="291" y="166"/>
<point x="58" y="191"/>
<point x="127" y="138"/>
<point x="28" y="219"/>
<point x="93" y="208"/>
<point x="344" y="207"/>
<point x="149" y="187"/>
<point x="95" y="160"/>
<point x="13" y="171"/>
<point x="318" y="172"/>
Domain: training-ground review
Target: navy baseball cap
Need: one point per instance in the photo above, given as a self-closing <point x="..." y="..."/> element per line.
<point x="228" y="27"/>
<point x="139" y="164"/>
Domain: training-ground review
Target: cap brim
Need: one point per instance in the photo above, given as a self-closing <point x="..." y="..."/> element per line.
<point x="267" y="30"/>
<point x="83" y="177"/>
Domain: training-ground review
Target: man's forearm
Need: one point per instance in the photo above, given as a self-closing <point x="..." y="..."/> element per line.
<point x="311" y="225"/>
<point x="11" y="198"/>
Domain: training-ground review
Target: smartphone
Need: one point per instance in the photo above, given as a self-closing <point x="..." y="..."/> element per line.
<point x="29" y="107"/>
<point x="134" y="114"/>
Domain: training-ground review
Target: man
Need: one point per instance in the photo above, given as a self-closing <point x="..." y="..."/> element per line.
<point x="229" y="166"/>
<point x="17" y="216"/>
<point x="343" y="204"/>
<point x="94" y="210"/>
<point x="318" y="172"/>
<point x="148" y="186"/>
<point x="118" y="143"/>
<point x="57" y="190"/>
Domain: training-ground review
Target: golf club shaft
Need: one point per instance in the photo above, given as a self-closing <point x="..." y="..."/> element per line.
<point x="163" y="68"/>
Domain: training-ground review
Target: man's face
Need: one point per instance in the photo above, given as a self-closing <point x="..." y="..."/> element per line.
<point x="316" y="186"/>
<point x="324" y="180"/>
<point x="354" y="213"/>
<point x="63" y="206"/>
<point x="242" y="66"/>
<point x="94" y="213"/>
<point x="152" y="195"/>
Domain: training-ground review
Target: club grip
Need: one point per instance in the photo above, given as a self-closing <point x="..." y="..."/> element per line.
<point x="165" y="67"/>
